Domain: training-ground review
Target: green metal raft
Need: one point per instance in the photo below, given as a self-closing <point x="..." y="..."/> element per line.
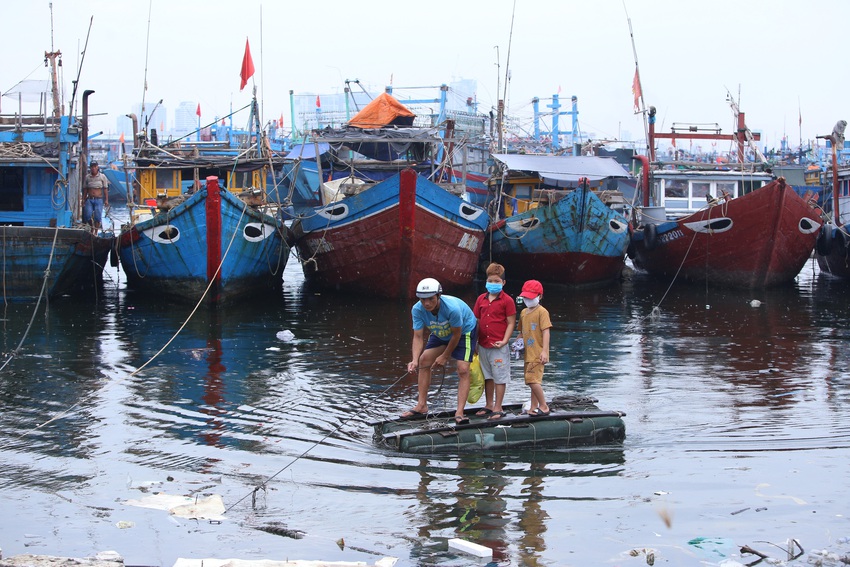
<point x="573" y="421"/>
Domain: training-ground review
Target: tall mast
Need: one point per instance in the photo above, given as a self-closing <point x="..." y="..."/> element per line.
<point x="51" y="57"/>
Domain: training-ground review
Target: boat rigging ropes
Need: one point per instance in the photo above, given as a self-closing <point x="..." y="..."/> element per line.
<point x="42" y="294"/>
<point x="200" y="302"/>
<point x="262" y="485"/>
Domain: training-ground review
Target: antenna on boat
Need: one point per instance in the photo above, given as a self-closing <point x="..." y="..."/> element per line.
<point x="76" y="81"/>
<point x="743" y="131"/>
<point x="51" y="26"/>
<point x="637" y="90"/>
<point x="508" y="59"/>
<point x="147" y="51"/>
<point x="503" y="101"/>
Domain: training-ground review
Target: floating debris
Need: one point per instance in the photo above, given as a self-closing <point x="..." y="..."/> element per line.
<point x="280" y="529"/>
<point x="285" y="335"/>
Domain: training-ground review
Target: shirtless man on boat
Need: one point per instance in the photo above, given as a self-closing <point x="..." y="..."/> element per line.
<point x="96" y="196"/>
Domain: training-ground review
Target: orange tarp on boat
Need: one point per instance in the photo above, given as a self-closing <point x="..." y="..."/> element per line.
<point x="383" y="111"/>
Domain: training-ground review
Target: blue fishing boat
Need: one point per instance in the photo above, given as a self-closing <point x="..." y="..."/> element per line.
<point x="205" y="230"/>
<point x="121" y="182"/>
<point x="46" y="250"/>
<point x="556" y="221"/>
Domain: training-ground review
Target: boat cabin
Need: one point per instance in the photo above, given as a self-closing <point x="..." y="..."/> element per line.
<point x="156" y="181"/>
<point x="682" y="192"/>
<point x="533" y="181"/>
<point x="39" y="181"/>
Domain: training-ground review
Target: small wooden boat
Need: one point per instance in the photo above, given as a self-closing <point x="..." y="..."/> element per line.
<point x="572" y="421"/>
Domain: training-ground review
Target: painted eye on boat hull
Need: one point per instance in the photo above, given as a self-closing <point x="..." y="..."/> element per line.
<point x="808" y="226"/>
<point x="165" y="234"/>
<point x="711" y="225"/>
<point x="257" y="231"/>
<point x="617" y="227"/>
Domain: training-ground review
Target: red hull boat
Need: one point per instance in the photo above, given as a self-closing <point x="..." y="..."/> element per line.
<point x="383" y="241"/>
<point x="760" y="239"/>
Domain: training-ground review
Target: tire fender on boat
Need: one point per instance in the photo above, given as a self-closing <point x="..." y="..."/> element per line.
<point x="650" y="236"/>
<point x="823" y="245"/>
<point x="841" y="240"/>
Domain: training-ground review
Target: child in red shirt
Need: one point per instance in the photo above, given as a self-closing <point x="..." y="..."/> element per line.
<point x="496" y="314"/>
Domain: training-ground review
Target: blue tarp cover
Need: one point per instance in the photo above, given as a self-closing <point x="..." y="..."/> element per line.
<point x="306" y="151"/>
<point x="555" y="169"/>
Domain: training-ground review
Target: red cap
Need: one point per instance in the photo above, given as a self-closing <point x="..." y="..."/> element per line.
<point x="531" y="289"/>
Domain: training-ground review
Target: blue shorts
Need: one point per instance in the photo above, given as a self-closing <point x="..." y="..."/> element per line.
<point x="93" y="211"/>
<point x="465" y="347"/>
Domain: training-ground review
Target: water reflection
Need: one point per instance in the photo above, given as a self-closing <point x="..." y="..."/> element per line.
<point x="721" y="396"/>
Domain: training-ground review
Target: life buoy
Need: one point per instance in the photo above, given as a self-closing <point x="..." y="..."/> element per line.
<point x="823" y="245"/>
<point x="650" y="236"/>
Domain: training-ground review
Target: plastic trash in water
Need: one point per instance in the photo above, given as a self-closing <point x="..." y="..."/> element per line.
<point x="285" y="335"/>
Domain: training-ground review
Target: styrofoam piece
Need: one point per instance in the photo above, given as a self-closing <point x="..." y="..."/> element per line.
<point x="470" y="548"/>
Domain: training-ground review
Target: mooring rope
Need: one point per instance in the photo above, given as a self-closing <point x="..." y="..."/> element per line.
<point x="344" y="422"/>
<point x="41" y="295"/>
<point x="200" y="302"/>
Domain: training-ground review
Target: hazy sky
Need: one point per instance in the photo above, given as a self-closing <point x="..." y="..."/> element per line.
<point x="781" y="56"/>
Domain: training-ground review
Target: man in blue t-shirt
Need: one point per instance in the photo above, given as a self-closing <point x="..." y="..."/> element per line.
<point x="452" y="334"/>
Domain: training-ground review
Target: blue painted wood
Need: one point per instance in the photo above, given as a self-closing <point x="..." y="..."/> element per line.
<point x="576" y="240"/>
<point x="43" y="246"/>
<point x="168" y="253"/>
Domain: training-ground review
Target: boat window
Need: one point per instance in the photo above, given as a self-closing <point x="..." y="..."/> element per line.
<point x="165" y="179"/>
<point x="675" y="188"/>
<point x="749" y="185"/>
<point x="699" y="190"/>
<point x="12" y="184"/>
<point x="727" y="187"/>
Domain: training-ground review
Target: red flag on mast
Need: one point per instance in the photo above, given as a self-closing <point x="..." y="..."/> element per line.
<point x="198" y="111"/>
<point x="636" y="90"/>
<point x="318" y="102"/>
<point x="247" y="66"/>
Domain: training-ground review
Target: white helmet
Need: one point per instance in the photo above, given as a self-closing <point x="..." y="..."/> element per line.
<point x="428" y="287"/>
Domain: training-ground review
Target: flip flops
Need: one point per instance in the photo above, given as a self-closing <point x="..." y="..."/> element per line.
<point x="483" y="411"/>
<point x="412" y="413"/>
<point x="497" y="415"/>
<point x="538" y="411"/>
<point x="461" y="420"/>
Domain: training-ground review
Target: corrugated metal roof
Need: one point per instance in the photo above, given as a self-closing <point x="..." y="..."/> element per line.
<point x="564" y="168"/>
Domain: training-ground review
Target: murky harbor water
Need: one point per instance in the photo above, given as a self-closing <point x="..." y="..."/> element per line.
<point x="737" y="430"/>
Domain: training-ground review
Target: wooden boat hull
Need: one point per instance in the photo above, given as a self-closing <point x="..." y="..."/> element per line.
<point x="573" y="422"/>
<point x="760" y="239"/>
<point x="72" y="258"/>
<point x="833" y="252"/>
<point x="386" y="239"/>
<point x="576" y="241"/>
<point x="178" y="252"/>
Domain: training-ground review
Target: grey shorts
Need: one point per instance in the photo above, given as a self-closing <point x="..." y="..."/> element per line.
<point x="495" y="363"/>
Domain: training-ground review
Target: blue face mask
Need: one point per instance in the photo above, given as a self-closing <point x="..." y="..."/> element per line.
<point x="494" y="288"/>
